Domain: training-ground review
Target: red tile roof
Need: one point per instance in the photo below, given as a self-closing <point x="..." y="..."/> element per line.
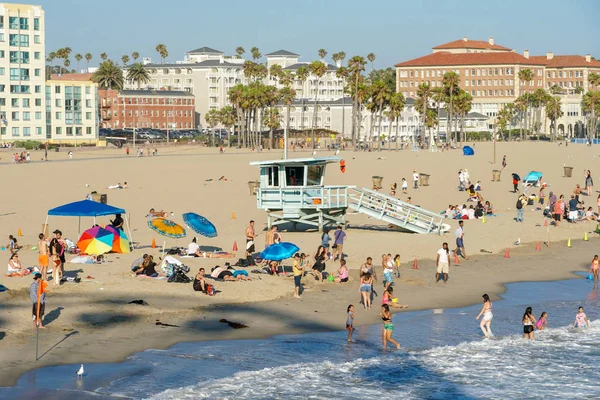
<point x="452" y="59"/>
<point x="471" y="44"/>
<point x="71" y="77"/>
<point x="566" y="61"/>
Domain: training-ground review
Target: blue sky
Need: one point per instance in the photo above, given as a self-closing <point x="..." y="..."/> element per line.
<point x="395" y="30"/>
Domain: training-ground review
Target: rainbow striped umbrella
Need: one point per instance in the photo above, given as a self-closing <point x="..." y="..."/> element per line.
<point x="96" y="241"/>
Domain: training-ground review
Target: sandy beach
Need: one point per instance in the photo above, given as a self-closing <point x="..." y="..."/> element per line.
<point x="92" y="321"/>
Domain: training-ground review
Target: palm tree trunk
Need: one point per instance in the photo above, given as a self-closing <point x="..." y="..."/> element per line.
<point x="397" y="137"/>
<point x="314" y="122"/>
<point x="379" y="126"/>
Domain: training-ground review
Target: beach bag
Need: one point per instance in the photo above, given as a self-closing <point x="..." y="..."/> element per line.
<point x="210" y="289"/>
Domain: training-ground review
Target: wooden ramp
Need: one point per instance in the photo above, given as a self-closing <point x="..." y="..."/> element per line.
<point x="396" y="212"/>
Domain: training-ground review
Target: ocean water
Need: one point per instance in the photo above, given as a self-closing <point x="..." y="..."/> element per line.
<point x="443" y="356"/>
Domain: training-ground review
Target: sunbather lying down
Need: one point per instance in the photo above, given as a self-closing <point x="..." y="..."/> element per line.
<point x="158" y="214"/>
<point x="216" y="254"/>
<point x="227" y="275"/>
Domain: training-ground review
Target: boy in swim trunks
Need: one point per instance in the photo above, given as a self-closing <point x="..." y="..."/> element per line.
<point x="43" y="259"/>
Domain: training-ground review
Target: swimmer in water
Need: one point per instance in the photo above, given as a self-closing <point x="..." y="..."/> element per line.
<point x="388" y="327"/>
<point x="542" y="323"/>
<point x="581" y="320"/>
<point x="594" y="269"/>
<point x="528" y="324"/>
<point x="486" y="321"/>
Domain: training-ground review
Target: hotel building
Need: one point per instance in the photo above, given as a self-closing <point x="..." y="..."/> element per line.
<point x="22" y="72"/>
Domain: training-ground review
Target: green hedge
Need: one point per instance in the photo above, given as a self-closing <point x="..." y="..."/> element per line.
<point x="27" y="144"/>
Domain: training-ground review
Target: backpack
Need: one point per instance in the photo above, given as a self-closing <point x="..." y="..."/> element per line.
<point x="519" y="204"/>
<point x="210" y="289"/>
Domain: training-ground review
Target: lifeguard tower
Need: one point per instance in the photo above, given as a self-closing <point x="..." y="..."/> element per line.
<point x="292" y="190"/>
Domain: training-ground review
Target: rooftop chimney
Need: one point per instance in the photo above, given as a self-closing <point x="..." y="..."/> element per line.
<point x="526" y="53"/>
<point x="464" y="38"/>
<point x="588" y="58"/>
<point x="549" y="55"/>
<point x="491" y="40"/>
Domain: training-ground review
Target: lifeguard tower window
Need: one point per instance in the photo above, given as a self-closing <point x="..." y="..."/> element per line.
<point x="314" y="175"/>
<point x="294" y="176"/>
<point x="273" y="176"/>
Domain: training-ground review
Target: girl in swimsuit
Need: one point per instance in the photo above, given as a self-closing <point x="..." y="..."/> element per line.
<point x="581" y="320"/>
<point x="388" y="298"/>
<point x="365" y="290"/>
<point x="397" y="264"/>
<point x="594" y="269"/>
<point x="542" y="323"/>
<point x="486" y="321"/>
<point x="388" y="327"/>
<point x="528" y="324"/>
<point x="350" y="321"/>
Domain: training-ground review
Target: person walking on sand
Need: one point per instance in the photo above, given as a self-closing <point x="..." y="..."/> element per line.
<point x="589" y="183"/>
<point x="339" y="237"/>
<point x="528" y="324"/>
<point x="442" y="263"/>
<point x="350" y="321"/>
<point x="460" y="243"/>
<point x="504" y="162"/>
<point x="404" y="186"/>
<point x="250" y="236"/>
<point x="388" y="327"/>
<point x="521" y="201"/>
<point x="594" y="267"/>
<point x="486" y="321"/>
<point x="581" y="320"/>
<point x="272" y="236"/>
<point x="366" y="281"/>
<point x="415" y="179"/>
<point x="43" y="259"/>
<point x="57" y="251"/>
<point x="33" y="296"/>
<point x="298" y="270"/>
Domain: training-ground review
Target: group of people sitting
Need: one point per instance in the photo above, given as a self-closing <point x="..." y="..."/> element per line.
<point x="572" y="210"/>
<point x="22" y="157"/>
<point x="476" y="211"/>
<point x="227" y="274"/>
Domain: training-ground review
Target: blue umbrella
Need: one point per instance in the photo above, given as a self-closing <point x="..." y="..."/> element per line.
<point x="279" y="251"/>
<point x="200" y="225"/>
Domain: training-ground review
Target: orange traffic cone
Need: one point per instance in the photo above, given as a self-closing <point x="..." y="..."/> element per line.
<point x="232" y="215"/>
<point x="415" y="264"/>
<point x="507" y="254"/>
<point x="537" y="246"/>
<point x="456" y="260"/>
<point x="19" y="233"/>
<point x="235" y="248"/>
<point x="153" y="243"/>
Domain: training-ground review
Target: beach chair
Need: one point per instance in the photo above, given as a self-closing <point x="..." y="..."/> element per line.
<point x="532" y="179"/>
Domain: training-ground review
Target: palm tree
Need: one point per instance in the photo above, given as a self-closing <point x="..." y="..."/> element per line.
<point x="451" y="82"/>
<point x="50" y="59"/>
<point x="108" y="76"/>
<point x="371" y="57"/>
<point x="463" y="105"/>
<point x="553" y="112"/>
<point x="249" y="69"/>
<point x="88" y="58"/>
<point x="395" y="108"/>
<point x="520" y="108"/>
<point x="381" y="95"/>
<point x="322" y="54"/>
<point x="356" y="66"/>
<point x="135" y="55"/>
<point x="301" y="76"/>
<point x="424" y="94"/>
<point x="240" y="51"/>
<point x="227" y="118"/>
<point x="212" y="119"/>
<point x="590" y="103"/>
<point x="160" y="49"/>
<point x="104" y="56"/>
<point x="272" y="120"/>
<point x="78" y="58"/>
<point x="235" y="94"/>
<point x="125" y="59"/>
<point x="67" y="63"/>
<point x="288" y="95"/>
<point x="594" y="79"/>
<point x="255" y="53"/>
<point x="342" y="73"/>
<point x="439" y="97"/>
<point x="526" y="75"/>
<point x="138" y="73"/>
<point x="555" y="89"/>
<point x="318" y="69"/>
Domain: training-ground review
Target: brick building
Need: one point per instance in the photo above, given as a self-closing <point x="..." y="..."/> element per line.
<point x="154" y="109"/>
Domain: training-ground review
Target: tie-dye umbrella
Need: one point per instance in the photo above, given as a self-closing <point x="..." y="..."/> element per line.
<point x="167" y="227"/>
<point x="121" y="242"/>
<point x="96" y="241"/>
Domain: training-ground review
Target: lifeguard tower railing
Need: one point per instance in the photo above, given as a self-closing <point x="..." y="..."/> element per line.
<point x="303" y="197"/>
<point x="396" y="212"/>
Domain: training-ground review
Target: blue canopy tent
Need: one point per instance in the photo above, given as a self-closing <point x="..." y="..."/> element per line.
<point x="468" y="151"/>
<point x="87" y="208"/>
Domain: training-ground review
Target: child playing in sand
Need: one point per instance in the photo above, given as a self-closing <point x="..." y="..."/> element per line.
<point x="542" y="323"/>
<point x="397" y="264"/>
<point x="350" y="321"/>
<point x="404" y="186"/>
<point x="581" y="320"/>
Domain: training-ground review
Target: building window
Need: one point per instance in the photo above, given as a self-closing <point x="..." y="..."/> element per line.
<point x="26" y="131"/>
<point x="26" y="116"/>
<point x="15" y="115"/>
<point x="38" y="115"/>
<point x="38" y="102"/>
<point x="88" y="103"/>
<point x="58" y="115"/>
<point x="69" y="131"/>
<point x="38" y="131"/>
<point x="88" y="115"/>
<point x="59" y="130"/>
<point x="57" y="89"/>
<point x="88" y="130"/>
<point x="14" y="102"/>
<point x="38" y="89"/>
<point x="78" y="131"/>
<point x="57" y="103"/>
<point x="15" y="131"/>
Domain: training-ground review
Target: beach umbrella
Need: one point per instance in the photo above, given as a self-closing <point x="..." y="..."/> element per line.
<point x="279" y="251"/>
<point x="96" y="241"/>
<point x="120" y="242"/>
<point x="167" y="227"/>
<point x="200" y="225"/>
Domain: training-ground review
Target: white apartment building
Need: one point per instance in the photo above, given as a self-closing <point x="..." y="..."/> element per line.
<point x="71" y="109"/>
<point x="209" y="74"/>
<point x="22" y="72"/>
